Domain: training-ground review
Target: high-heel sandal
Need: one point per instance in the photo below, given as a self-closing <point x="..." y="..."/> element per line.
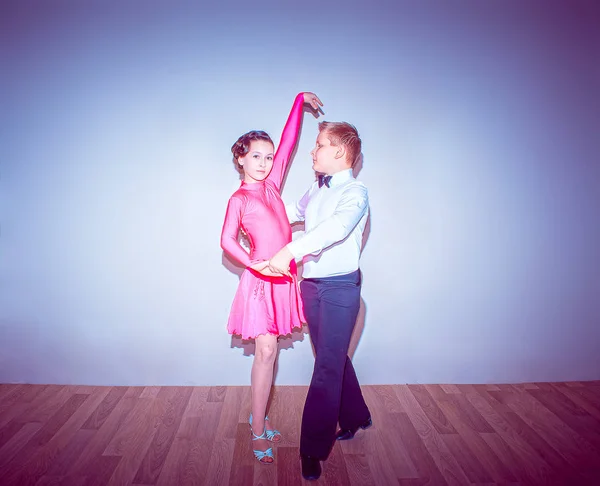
<point x="260" y="455"/>
<point x="271" y="434"/>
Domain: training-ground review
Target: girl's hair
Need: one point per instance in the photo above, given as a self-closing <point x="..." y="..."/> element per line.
<point x="242" y="145"/>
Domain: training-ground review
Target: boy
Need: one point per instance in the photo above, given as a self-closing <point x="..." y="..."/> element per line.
<point x="335" y="211"/>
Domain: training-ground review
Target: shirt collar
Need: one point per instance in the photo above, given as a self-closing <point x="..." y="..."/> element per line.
<point x="340" y="177"/>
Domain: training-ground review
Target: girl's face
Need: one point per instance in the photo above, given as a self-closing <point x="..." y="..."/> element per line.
<point x="258" y="162"/>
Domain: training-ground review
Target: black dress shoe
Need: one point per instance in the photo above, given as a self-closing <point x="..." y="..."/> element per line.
<point x="347" y="434"/>
<point x="311" y="467"/>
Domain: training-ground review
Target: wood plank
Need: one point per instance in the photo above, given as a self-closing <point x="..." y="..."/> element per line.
<point x="574" y="384"/>
<point x="201" y="445"/>
<point x="44" y="434"/>
<point x="469" y="415"/>
<point x="388" y="464"/>
<point x="509" y="458"/>
<point x="9" y="431"/>
<point x="196" y="402"/>
<point x="382" y="397"/>
<point x="56" y="422"/>
<point x="469" y="462"/>
<point x="232" y="402"/>
<point x="451" y="389"/>
<point x="105" y="408"/>
<point x="16" y="394"/>
<point x="41" y="453"/>
<point x="18" y="401"/>
<point x="359" y="472"/>
<point x="17" y="441"/>
<point x="7" y="388"/>
<point x="133" y="439"/>
<point x="421" y="457"/>
<point x="549" y="435"/>
<point x="286" y="414"/>
<point x="445" y="461"/>
<point x="48" y="480"/>
<point x="102" y="470"/>
<point x="386" y="440"/>
<point x="289" y="470"/>
<point x="526" y="386"/>
<point x="245" y="408"/>
<point x="572" y="415"/>
<point x="588" y="395"/>
<point x="151" y="391"/>
<point x="437" y="392"/>
<point x="474" y="446"/>
<point x="176" y="399"/>
<point x="431" y="409"/>
<point x="334" y="468"/>
<point x="46" y="403"/>
<point x="220" y="464"/>
<point x="558" y="403"/>
<point x="70" y="454"/>
<point x="578" y="400"/>
<point x="217" y="393"/>
<point x="266" y="474"/>
<point x="92" y="453"/>
<point x="242" y="467"/>
<point x="174" y="469"/>
<point x="502" y="420"/>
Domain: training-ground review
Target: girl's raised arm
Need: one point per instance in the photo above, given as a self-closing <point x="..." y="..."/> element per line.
<point x="289" y="137"/>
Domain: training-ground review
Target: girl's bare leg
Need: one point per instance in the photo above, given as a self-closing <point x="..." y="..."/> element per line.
<point x="262" y="379"/>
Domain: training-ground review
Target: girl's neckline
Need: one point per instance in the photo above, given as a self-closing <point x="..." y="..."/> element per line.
<point x="253" y="185"/>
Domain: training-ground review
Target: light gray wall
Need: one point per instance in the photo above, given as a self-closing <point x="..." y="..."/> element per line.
<point x="480" y="124"/>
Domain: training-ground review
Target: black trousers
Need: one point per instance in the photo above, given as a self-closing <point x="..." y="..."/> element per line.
<point x="331" y="306"/>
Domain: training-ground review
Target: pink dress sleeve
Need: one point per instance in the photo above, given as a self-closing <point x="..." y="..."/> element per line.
<point x="288" y="141"/>
<point x="230" y="232"/>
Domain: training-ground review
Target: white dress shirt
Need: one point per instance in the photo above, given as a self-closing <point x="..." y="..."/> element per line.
<point x="334" y="220"/>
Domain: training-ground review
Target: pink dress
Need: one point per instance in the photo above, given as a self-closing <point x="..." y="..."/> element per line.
<point x="264" y="305"/>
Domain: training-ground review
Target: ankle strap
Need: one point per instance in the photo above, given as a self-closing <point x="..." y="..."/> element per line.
<point x="257" y="437"/>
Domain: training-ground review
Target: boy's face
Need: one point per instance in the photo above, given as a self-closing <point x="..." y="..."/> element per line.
<point x="326" y="157"/>
<point x="258" y="162"/>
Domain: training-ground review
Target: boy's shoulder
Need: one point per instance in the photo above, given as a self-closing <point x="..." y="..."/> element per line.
<point x="356" y="185"/>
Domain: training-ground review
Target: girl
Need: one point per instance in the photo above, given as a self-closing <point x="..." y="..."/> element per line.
<point x="266" y="304"/>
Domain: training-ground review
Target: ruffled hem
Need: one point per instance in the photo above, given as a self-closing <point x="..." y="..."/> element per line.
<point x="251" y="338"/>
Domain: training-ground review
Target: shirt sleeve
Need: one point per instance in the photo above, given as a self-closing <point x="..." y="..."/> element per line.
<point x="295" y="211"/>
<point x="230" y="232"/>
<point x="289" y="137"/>
<point x="351" y="207"/>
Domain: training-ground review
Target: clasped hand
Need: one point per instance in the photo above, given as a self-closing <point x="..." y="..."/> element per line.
<point x="264" y="269"/>
<point x="277" y="266"/>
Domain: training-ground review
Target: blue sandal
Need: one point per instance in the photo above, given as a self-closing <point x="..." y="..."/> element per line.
<point x="271" y="434"/>
<point x="260" y="455"/>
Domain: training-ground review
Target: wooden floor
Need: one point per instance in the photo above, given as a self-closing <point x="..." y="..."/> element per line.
<point x="538" y="433"/>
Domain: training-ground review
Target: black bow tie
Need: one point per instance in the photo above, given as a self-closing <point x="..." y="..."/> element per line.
<point x="324" y="179"/>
